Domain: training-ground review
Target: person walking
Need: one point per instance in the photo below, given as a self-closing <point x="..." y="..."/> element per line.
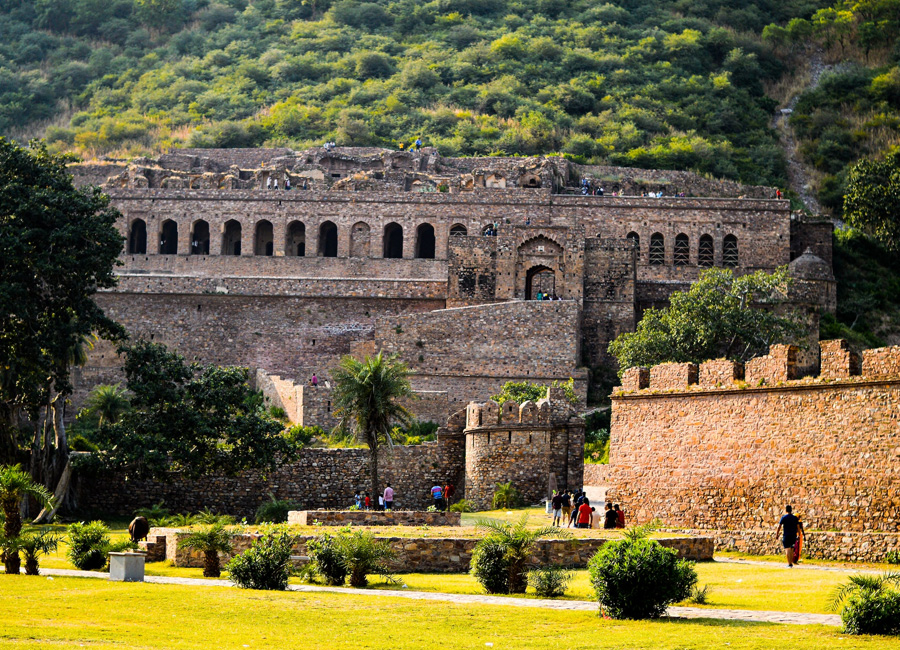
<point x="368" y="502"/>
<point x="388" y="497"/>
<point x="585" y="514"/>
<point x="566" y="506"/>
<point x="556" y="506"/>
<point x="788" y="527"/>
<point x="576" y="503"/>
<point x="448" y="494"/>
<point x="437" y="494"/>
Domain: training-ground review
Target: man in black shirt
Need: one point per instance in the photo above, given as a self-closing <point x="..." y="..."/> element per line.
<point x="790" y="524"/>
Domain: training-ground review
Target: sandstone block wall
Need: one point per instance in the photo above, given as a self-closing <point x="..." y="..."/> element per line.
<point x="720" y="372"/>
<point x="731" y="457"/>
<point x="372" y="518"/>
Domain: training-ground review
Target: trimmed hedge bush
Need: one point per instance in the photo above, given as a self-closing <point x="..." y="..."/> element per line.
<point x="266" y="564"/>
<point x="639" y="578"/>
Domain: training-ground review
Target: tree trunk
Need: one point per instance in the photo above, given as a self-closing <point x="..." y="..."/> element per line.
<point x="9" y="444"/>
<point x="11" y="529"/>
<point x="31" y="566"/>
<point x="373" y="466"/>
<point x="62" y="488"/>
<point x="211" y="564"/>
<point x="53" y="467"/>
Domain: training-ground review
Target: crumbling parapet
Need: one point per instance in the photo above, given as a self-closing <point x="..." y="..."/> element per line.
<point x="668" y="376"/>
<point x="878" y="363"/>
<point x="838" y="360"/>
<point x="720" y="372"/>
<point x="777" y="366"/>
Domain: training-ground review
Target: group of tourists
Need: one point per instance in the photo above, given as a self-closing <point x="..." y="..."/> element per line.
<point x="576" y="510"/>
<point x="546" y="296"/>
<point x="440" y="495"/>
<point x="272" y="183"/>
<point x="417" y="144"/>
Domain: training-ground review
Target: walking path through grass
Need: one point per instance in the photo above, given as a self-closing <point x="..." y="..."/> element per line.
<point x="792" y="618"/>
<point x="813" y="567"/>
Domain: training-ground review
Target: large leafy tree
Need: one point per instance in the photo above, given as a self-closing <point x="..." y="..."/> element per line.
<point x="366" y="395"/>
<point x="188" y="418"/>
<point x="719" y="316"/>
<point x="58" y="247"/>
<point x="873" y="194"/>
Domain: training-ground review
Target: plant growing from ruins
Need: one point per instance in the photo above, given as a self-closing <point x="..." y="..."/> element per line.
<point x="189" y="418"/>
<point x="210" y="541"/>
<point x="366" y="399"/>
<point x="361" y="555"/>
<point x="871" y="604"/>
<point x="15" y="485"/>
<point x="500" y="560"/>
<point x="638" y="578"/>
<point x="506" y="496"/>
<point x="717" y="317"/>
<point x="266" y="564"/>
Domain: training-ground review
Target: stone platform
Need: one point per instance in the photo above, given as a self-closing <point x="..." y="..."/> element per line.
<point x="373" y="518"/>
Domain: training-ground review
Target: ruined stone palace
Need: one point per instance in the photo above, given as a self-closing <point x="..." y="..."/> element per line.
<point x="436" y="259"/>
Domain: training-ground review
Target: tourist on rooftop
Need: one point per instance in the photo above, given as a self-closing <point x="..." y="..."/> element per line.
<point x="287" y="183"/>
<point x="314" y="381"/>
<point x="418" y="143"/>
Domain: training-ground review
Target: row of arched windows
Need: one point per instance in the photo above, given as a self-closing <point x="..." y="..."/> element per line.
<point x="295" y="239"/>
<point x="681" y="253"/>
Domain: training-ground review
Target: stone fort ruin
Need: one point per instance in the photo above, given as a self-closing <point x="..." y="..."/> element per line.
<point x="438" y="260"/>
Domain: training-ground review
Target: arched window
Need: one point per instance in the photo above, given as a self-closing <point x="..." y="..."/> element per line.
<point x="328" y="240"/>
<point x="489" y="230"/>
<point x="263" y="240"/>
<point x="657" y="249"/>
<point x="231" y="238"/>
<point x="634" y="238"/>
<point x="360" y="236"/>
<point x="730" y="251"/>
<point x="137" y="238"/>
<point x="295" y="239"/>
<point x="200" y="238"/>
<point x="682" y="250"/>
<point x="425" y="241"/>
<point x="393" y="241"/>
<point x="168" y="238"/>
<point x="458" y="229"/>
<point x="705" y="252"/>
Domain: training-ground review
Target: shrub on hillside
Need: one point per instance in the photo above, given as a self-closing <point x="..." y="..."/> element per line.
<point x="274" y="511"/>
<point x="266" y="564"/>
<point x="639" y="578"/>
<point x="325" y="559"/>
<point x="550" y="582"/>
<point x="88" y="545"/>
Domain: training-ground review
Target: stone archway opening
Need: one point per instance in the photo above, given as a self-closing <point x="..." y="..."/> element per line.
<point x="425" y="243"/>
<point x="168" y="238"/>
<point x="137" y="238"/>
<point x="200" y="238"/>
<point x="393" y="241"/>
<point x="328" y="240"/>
<point x="540" y="281"/>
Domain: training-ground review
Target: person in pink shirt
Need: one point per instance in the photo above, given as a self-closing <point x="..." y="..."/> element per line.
<point x="388" y="497"/>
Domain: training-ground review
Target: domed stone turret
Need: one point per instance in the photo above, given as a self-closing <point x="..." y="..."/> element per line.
<point x="810" y="266"/>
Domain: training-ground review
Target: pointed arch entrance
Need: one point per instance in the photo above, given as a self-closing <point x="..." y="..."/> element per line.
<point x="540" y="281"/>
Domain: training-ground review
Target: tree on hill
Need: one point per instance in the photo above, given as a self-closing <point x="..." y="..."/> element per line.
<point x="188" y="418"/>
<point x="719" y="316"/>
<point x="58" y="247"/>
<point x="872" y="199"/>
<point x="366" y="395"/>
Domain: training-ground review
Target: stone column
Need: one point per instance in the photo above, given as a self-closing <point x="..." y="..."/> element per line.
<point x="279" y="235"/>
<point x="409" y="241"/>
<point x="441" y="241"/>
<point x="312" y="238"/>
<point x="248" y="229"/>
<point x="343" y="237"/>
<point x="184" y="235"/>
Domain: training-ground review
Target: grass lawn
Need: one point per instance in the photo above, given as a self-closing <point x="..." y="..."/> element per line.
<point x="37" y="612"/>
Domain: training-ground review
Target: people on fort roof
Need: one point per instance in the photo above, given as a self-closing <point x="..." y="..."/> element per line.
<point x="388" y="497"/>
<point x="418" y="143"/>
<point x="791" y="528"/>
<point x="314" y="381"/>
<point x="276" y="183"/>
<point x="287" y="183"/>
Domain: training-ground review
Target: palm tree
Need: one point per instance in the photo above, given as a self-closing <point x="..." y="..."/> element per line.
<point x="34" y="544"/>
<point x="863" y="586"/>
<point x="518" y="542"/>
<point x="15" y="485"/>
<point x="210" y="541"/>
<point x="109" y="402"/>
<point x="365" y="398"/>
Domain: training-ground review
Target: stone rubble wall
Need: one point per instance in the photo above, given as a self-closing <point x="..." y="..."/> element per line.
<point x="373" y="518"/>
<point x="447" y="554"/>
<point x="730" y="457"/>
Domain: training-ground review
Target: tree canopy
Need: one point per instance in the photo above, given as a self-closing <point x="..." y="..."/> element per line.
<point x="188" y="418"/>
<point x="719" y="316"/>
<point x="872" y="202"/>
<point x="58" y="247"/>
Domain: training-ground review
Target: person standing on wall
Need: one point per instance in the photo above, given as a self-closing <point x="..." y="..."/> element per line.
<point x="790" y="526"/>
<point x="388" y="497"/>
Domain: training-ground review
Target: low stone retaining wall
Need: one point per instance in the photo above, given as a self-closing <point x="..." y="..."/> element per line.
<point x="822" y="545"/>
<point x="373" y="518"/>
<point x="447" y="554"/>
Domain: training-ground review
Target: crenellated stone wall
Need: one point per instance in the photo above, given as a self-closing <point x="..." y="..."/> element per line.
<point x="728" y="455"/>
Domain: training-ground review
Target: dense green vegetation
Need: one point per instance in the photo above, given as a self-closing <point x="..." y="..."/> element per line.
<point x="668" y="84"/>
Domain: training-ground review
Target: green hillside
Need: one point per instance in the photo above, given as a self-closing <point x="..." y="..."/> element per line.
<point x="664" y="84"/>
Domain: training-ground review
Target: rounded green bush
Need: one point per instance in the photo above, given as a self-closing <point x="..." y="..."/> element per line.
<point x="490" y="566"/>
<point x="266" y="565"/>
<point x="873" y="612"/>
<point x="325" y="558"/>
<point x="88" y="545"/>
<point x="639" y="579"/>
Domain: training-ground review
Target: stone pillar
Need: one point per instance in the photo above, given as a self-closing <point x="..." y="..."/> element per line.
<point x="343" y="237"/>
<point x="838" y="361"/>
<point x="409" y="242"/>
<point x="312" y="238"/>
<point x="248" y="230"/>
<point x="636" y="378"/>
<point x="279" y="234"/>
<point x="441" y="240"/>
<point x="184" y="236"/>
